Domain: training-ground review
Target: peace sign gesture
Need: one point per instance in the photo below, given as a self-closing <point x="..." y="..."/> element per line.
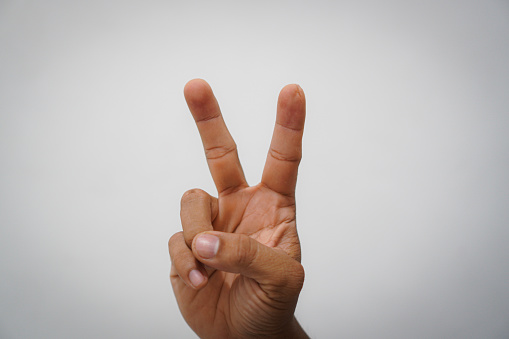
<point x="236" y="269"/>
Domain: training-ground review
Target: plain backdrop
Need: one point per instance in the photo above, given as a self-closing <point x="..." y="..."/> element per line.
<point x="403" y="192"/>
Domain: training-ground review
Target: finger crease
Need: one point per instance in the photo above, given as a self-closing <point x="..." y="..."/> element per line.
<point x="218" y="152"/>
<point x="231" y="189"/>
<point x="290" y="128"/>
<point x="280" y="156"/>
<point x="205" y="119"/>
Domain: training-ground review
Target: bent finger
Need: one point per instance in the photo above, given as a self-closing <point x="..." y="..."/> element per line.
<point x="197" y="211"/>
<point x="190" y="270"/>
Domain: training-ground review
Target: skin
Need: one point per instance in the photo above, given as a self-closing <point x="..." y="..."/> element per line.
<point x="247" y="284"/>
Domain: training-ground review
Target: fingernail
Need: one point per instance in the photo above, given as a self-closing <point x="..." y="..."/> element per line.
<point x="207" y="245"/>
<point x="196" y="278"/>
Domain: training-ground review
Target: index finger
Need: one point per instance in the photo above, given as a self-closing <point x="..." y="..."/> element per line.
<point x="220" y="149"/>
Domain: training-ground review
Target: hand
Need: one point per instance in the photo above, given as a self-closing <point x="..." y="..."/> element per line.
<point x="236" y="269"/>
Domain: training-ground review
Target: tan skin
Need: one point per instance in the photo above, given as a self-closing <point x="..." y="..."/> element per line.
<point x="246" y="282"/>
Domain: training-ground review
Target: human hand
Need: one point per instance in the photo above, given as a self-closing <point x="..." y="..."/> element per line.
<point x="236" y="269"/>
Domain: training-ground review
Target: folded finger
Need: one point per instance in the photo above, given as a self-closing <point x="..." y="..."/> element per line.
<point x="197" y="211"/>
<point x="190" y="270"/>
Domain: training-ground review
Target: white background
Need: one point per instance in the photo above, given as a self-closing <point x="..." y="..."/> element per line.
<point x="403" y="191"/>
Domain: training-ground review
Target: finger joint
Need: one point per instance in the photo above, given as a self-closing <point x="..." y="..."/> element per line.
<point x="218" y="152"/>
<point x="284" y="157"/>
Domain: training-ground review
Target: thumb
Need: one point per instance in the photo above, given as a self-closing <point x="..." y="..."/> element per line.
<point x="276" y="272"/>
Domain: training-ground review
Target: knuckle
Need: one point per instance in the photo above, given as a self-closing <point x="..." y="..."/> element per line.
<point x="194" y="193"/>
<point x="246" y="251"/>
<point x="174" y="239"/>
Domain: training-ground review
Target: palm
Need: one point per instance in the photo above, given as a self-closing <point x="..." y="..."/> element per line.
<point x="230" y="302"/>
<point x="264" y="215"/>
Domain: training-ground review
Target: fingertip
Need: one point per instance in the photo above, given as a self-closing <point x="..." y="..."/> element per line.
<point x="292" y="107"/>
<point x="196" y="82"/>
<point x="197" y="91"/>
<point x="292" y="93"/>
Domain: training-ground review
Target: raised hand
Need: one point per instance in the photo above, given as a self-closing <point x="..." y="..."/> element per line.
<point x="236" y="269"/>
